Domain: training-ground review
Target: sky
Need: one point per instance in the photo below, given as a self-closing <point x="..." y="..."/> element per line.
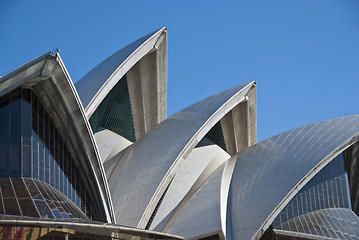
<point x="303" y="55"/>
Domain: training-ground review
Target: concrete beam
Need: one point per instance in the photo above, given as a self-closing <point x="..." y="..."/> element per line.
<point x="134" y="84"/>
<point x="239" y="126"/>
<point x="241" y="123"/>
<point x="148" y="70"/>
<point x="252" y="111"/>
<point x="229" y="133"/>
<point x="147" y="85"/>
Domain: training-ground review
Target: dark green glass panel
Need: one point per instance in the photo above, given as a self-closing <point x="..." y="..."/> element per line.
<point x="114" y="112"/>
<point x="216" y="135"/>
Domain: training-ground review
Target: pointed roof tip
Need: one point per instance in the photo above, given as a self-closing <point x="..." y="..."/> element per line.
<point x="54" y="52"/>
<point x="164" y="28"/>
<point x="100" y="74"/>
<point x="242" y="85"/>
<point x="25" y="65"/>
<point x="237" y="87"/>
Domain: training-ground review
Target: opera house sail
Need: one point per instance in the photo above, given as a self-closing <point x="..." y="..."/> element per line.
<point x="99" y="159"/>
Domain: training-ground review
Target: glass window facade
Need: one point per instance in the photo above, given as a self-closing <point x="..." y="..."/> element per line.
<point x="327" y="189"/>
<point x="32" y="197"/>
<point x="114" y="112"/>
<point x="332" y="223"/>
<point x="216" y="135"/>
<point x="32" y="147"/>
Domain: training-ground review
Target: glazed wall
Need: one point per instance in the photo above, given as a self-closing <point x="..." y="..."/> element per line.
<point x="31" y="146"/>
<point x="114" y="112"/>
<point x="327" y="189"/>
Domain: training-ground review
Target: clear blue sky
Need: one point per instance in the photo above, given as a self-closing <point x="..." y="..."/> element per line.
<point x="304" y="54"/>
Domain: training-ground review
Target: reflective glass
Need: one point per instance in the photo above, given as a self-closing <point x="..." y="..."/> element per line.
<point x="61" y="163"/>
<point x="35" y="155"/>
<point x="27" y="207"/>
<point x="15" y="134"/>
<point x="69" y="187"/>
<point x="51" y="204"/>
<point x="56" y="159"/>
<point x="57" y="213"/>
<point x="47" y="166"/>
<point x="19" y="187"/>
<point x="73" y="183"/>
<point x="66" y="155"/>
<point x="4" y="136"/>
<point x="26" y="132"/>
<point x="43" y="209"/>
<point x="114" y="112"/>
<point x="47" y="151"/>
<point x="9" y="198"/>
<point x="327" y="189"/>
<point x="78" y="187"/>
<point x="52" y="170"/>
<point x="31" y="146"/>
<point x="41" y="161"/>
<point x="34" y="191"/>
